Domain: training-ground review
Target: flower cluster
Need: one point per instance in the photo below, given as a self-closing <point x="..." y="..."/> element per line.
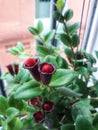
<point x="45" y="107"/>
<point x="13" y="69"/>
<point x="41" y="72"/>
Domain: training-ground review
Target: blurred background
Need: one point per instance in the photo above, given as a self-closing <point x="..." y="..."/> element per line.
<point x="17" y="15"/>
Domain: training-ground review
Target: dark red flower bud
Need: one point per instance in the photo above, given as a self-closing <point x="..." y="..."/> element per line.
<point x="48" y="106"/>
<point x="39" y="116"/>
<point x="10" y="69"/>
<point x="16" y="68"/>
<point x="46" y="71"/>
<point x="35" y="101"/>
<point x="32" y="65"/>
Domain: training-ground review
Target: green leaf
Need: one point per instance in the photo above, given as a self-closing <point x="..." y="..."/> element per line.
<point x="82" y="71"/>
<point x="28" y="90"/>
<point x="68" y="52"/>
<point x="65" y="39"/>
<point x="96" y="87"/>
<point x="75" y="40"/>
<point x="51" y="59"/>
<point x="68" y="14"/>
<point x="62" y="63"/>
<point x="83" y="124"/>
<point x="82" y="87"/>
<point x="95" y="122"/>
<point x="60" y="4"/>
<point x="58" y="16"/>
<point x="23" y="55"/>
<point x="42" y="50"/>
<point x="18" y="125"/>
<point x="11" y="113"/>
<point x="15" y="124"/>
<point x="39" y="26"/>
<point x="4" y="125"/>
<point x="49" y="36"/>
<point x="14" y="51"/>
<point x="68" y="92"/>
<point x="33" y="30"/>
<point x="67" y="127"/>
<point x="16" y="103"/>
<point x="23" y="76"/>
<point x="62" y="77"/>
<point x="20" y="47"/>
<point x="82" y="108"/>
<point x="28" y="93"/>
<point x="3" y="105"/>
<point x="28" y="85"/>
<point x="73" y="28"/>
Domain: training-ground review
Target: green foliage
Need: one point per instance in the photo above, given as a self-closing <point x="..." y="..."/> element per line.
<point x="83" y="124"/>
<point x="72" y="91"/>
<point x="60" y="4"/>
<point x="66" y="39"/>
<point x="68" y="14"/>
<point x="62" y="77"/>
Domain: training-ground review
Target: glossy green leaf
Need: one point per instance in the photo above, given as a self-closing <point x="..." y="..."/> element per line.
<point x="68" y="14"/>
<point x="83" y="124"/>
<point x="28" y="93"/>
<point x="58" y="16"/>
<point x="11" y="113"/>
<point x="18" y="125"/>
<point x="96" y="87"/>
<point x="68" y="92"/>
<point x="49" y="36"/>
<point x="68" y="52"/>
<point x="62" y="77"/>
<point x="62" y="63"/>
<point x="73" y="28"/>
<point x="82" y="70"/>
<point x="28" y="85"/>
<point x="39" y="26"/>
<point x="33" y="30"/>
<point x="23" y="55"/>
<point x="23" y="76"/>
<point x="3" y="105"/>
<point x="14" y="51"/>
<point x="75" y="40"/>
<point x="16" y="103"/>
<point x="51" y="59"/>
<point x="65" y="39"/>
<point x="15" y="124"/>
<point x="20" y="47"/>
<point x="4" y="125"/>
<point x="67" y="127"/>
<point x="95" y="121"/>
<point x="42" y="50"/>
<point x="78" y="109"/>
<point x="60" y="4"/>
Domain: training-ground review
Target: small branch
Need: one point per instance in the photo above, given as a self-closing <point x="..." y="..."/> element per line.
<point x="66" y="27"/>
<point x="42" y="40"/>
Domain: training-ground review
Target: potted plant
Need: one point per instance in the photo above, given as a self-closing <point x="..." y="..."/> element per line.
<point x="51" y="91"/>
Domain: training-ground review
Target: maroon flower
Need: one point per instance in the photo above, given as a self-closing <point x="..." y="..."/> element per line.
<point x="16" y="68"/>
<point x="39" y="116"/>
<point x="46" y="71"/>
<point x="48" y="106"/>
<point x="35" y="101"/>
<point x="10" y="69"/>
<point x="32" y="65"/>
